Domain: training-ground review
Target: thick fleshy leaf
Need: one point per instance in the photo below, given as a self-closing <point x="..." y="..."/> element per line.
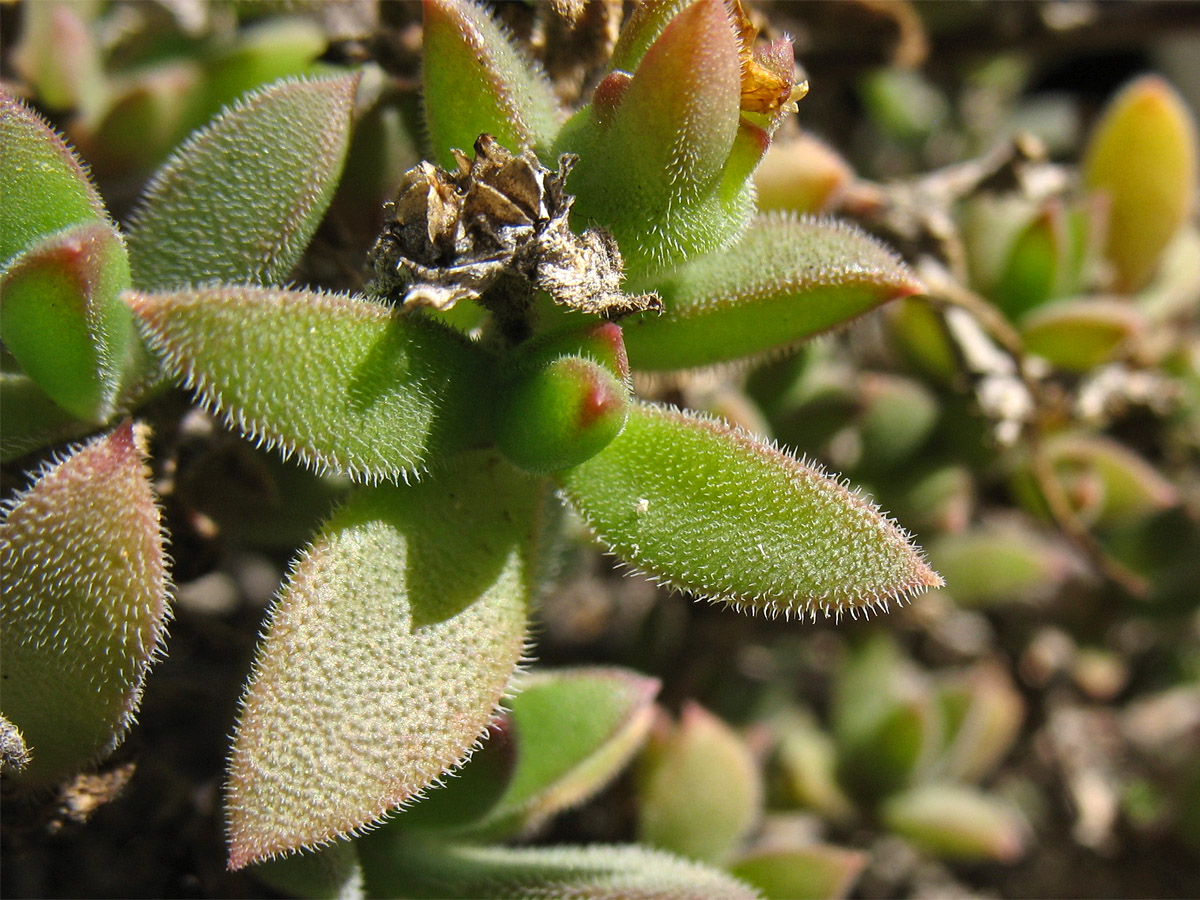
<point x="240" y="200"/>
<point x="574" y="730"/>
<point x="983" y="712"/>
<point x="1034" y="264"/>
<point x="803" y="175"/>
<point x="331" y="873"/>
<point x="788" y="278"/>
<point x="699" y="790"/>
<point x="385" y="656"/>
<point x="1080" y="335"/>
<point x="31" y="419"/>
<point x="44" y="187"/>
<point x="817" y="872"/>
<point x="85" y="602"/>
<point x="407" y="865"/>
<point x="63" y="319"/>
<point x="1001" y="562"/>
<point x="956" y="822"/>
<point x="653" y="148"/>
<point x="806" y="759"/>
<point x="345" y="384"/>
<point x="476" y="81"/>
<point x="1143" y="154"/>
<point x="707" y="508"/>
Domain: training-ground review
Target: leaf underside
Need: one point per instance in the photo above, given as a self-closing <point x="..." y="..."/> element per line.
<point x="385" y="656"/>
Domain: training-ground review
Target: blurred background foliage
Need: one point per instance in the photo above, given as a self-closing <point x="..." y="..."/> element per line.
<point x="1033" y="729"/>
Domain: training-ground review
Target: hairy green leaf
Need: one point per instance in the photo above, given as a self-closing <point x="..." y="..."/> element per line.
<point x="63" y="319"/>
<point x="44" y="187"/>
<point x="85" y="602"/>
<point x="704" y="507"/>
<point x="788" y="278"/>
<point x="653" y="147"/>
<point x="477" y="81"/>
<point x="240" y="200"/>
<point x="345" y="384"/>
<point x="400" y="864"/>
<point x="385" y="656"/>
<point x="700" y="791"/>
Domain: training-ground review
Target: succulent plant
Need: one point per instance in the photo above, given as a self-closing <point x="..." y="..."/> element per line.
<point x="623" y="238"/>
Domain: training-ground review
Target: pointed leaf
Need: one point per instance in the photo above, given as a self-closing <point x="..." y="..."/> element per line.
<point x="476" y="81"/>
<point x="44" y="187"/>
<point x="60" y="55"/>
<point x="699" y="790"/>
<point x="1080" y="335"/>
<point x="807" y="762"/>
<point x="345" y="384"/>
<point x="653" y="149"/>
<point x="818" y="872"/>
<point x="574" y="730"/>
<point x="31" y="419"/>
<point x="956" y="822"/>
<point x="240" y="200"/>
<point x="84" y="609"/>
<point x="788" y="278"/>
<point x="1143" y="154"/>
<point x="707" y="508"/>
<point x="63" y="319"/>
<point x="385" y="656"/>
<point x="405" y="865"/>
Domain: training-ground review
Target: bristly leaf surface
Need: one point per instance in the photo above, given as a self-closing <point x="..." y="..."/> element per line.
<point x="786" y="279"/>
<point x="385" y="656"/>
<point x="345" y="384"/>
<point x="240" y="200"/>
<point x="85" y="602"/>
<point x="706" y="508"/>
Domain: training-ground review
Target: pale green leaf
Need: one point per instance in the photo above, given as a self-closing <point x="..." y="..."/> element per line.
<point x="700" y="792"/>
<point x="85" y="602"/>
<point x="707" y="508"/>
<point x="574" y="730"/>
<point x="240" y="199"/>
<point x="815" y="872"/>
<point x="385" y="656"/>
<point x="787" y="279"/>
<point x="345" y="384"/>
<point x="957" y="822"/>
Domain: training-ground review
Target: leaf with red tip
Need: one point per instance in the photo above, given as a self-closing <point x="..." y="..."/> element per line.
<point x="403" y="864"/>
<point x="476" y="81"/>
<point x="704" y="507"/>
<point x="385" y="656"/>
<point x="240" y="200"/>
<point x="64" y="321"/>
<point x="344" y="384"/>
<point x="652" y="156"/>
<point x="1144" y="155"/>
<point x="44" y="187"/>
<point x="787" y="279"/>
<point x="85" y="602"/>
<point x="957" y="822"/>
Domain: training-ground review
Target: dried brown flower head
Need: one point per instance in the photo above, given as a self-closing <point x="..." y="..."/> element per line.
<point x="464" y="235"/>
